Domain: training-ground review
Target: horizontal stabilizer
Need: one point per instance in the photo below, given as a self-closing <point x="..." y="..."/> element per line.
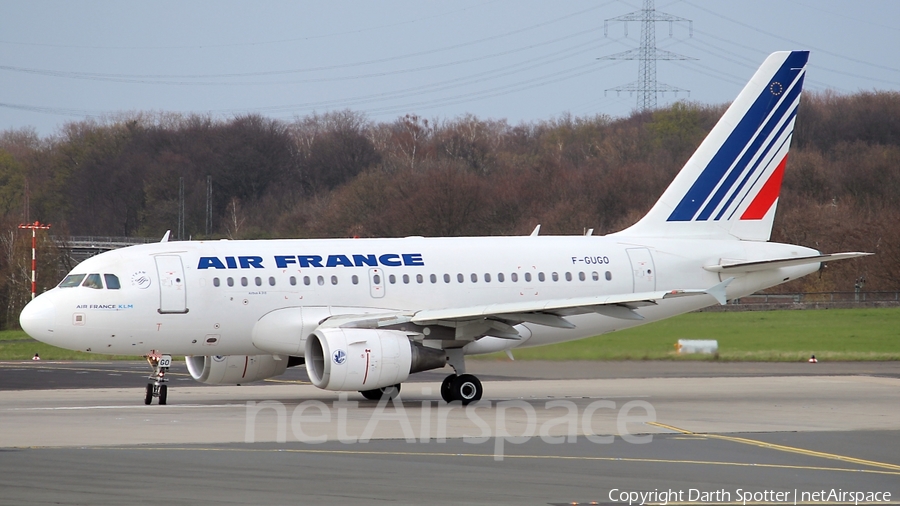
<point x="764" y="265"/>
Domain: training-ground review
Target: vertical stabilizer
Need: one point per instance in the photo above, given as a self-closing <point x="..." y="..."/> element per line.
<point x="729" y="187"/>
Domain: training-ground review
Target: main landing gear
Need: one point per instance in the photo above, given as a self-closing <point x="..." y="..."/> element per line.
<point x="382" y="393"/>
<point x="160" y="364"/>
<point x="460" y="386"/>
<point x="463" y="387"/>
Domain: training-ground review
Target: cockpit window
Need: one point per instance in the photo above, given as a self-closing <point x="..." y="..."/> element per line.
<point x="71" y="280"/>
<point x="112" y="281"/>
<point x="93" y="281"/>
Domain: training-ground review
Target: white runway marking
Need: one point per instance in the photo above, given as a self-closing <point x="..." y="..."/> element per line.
<point x="79" y="408"/>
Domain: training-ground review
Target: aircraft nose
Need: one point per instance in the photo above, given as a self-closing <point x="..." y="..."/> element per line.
<point x="36" y="319"/>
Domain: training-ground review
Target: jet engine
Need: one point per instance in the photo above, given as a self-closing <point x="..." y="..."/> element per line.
<point x="235" y="369"/>
<point x="365" y="359"/>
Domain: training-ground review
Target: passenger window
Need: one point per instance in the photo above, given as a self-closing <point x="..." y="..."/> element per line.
<point x="446" y="278"/>
<point x="306" y="280"/>
<point x="334" y="280"/>
<point x="112" y="281"/>
<point x="581" y="276"/>
<point x="514" y="277"/>
<point x="93" y="281"/>
<point x="293" y="280"/>
<point x="608" y="276"/>
<point x="555" y="276"/>
<point x="500" y="277"/>
<point x="230" y="281"/>
<point x="216" y="282"/>
<point x="271" y="281"/>
<point x="71" y="280"/>
<point x="433" y="278"/>
<point x="541" y="276"/>
<point x="528" y="277"/>
<point x="354" y="279"/>
<point x="595" y="276"/>
<point x="406" y="279"/>
<point x="568" y="276"/>
<point x="474" y="277"/>
<point x="376" y="279"/>
<point x="392" y="279"/>
<point x="244" y="282"/>
<point x="460" y="278"/>
<point x="487" y="277"/>
<point x="258" y="281"/>
<point x="320" y="280"/>
<point x="420" y="279"/>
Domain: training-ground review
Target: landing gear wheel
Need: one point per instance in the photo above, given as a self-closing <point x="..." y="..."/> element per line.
<point x="447" y="388"/>
<point x="160" y="364"/>
<point x="372" y="395"/>
<point x="467" y="388"/>
<point x="376" y="394"/>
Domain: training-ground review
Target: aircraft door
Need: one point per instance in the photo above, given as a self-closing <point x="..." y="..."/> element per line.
<point x="376" y="283"/>
<point x="642" y="269"/>
<point x="172" y="288"/>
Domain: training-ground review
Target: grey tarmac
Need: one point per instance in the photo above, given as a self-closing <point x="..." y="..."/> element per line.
<point x="714" y="430"/>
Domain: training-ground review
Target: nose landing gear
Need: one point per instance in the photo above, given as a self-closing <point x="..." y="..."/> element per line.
<point x="160" y="364"/>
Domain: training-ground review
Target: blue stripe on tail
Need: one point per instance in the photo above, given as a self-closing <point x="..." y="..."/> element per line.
<point x="786" y="105"/>
<point x="740" y="137"/>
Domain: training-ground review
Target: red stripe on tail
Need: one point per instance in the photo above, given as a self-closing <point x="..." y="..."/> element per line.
<point x="767" y="195"/>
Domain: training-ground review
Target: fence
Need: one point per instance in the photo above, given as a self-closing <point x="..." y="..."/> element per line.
<point x="818" y="297"/>
<point x="101" y="242"/>
<point x="80" y="248"/>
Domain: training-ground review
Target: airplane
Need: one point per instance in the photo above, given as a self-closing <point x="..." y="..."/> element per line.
<point x="364" y="314"/>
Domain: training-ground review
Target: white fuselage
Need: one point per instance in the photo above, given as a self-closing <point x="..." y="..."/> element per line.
<point x="205" y="297"/>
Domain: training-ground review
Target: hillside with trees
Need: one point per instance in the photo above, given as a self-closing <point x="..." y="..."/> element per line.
<point x="342" y="175"/>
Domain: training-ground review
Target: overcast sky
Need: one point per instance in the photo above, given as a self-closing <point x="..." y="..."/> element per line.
<point x="521" y="60"/>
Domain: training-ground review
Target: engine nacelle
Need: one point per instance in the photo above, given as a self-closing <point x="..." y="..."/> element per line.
<point x="365" y="359"/>
<point x="234" y="369"/>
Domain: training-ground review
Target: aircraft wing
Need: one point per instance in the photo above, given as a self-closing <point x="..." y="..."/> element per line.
<point x="498" y="319"/>
<point x="577" y="305"/>
<point x="765" y="265"/>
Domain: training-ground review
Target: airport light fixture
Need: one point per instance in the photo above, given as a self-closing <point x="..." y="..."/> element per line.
<point x="34" y="228"/>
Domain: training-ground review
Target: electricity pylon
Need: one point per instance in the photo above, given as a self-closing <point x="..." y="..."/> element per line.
<point x="647" y="87"/>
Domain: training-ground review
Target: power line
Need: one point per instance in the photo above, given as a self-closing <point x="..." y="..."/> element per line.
<point x="260" y="43"/>
<point x="820" y="50"/>
<point x="430" y="88"/>
<point x="407" y="93"/>
<point x="152" y="79"/>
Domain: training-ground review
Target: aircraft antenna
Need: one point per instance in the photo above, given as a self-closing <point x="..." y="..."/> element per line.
<point x="647" y="87"/>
